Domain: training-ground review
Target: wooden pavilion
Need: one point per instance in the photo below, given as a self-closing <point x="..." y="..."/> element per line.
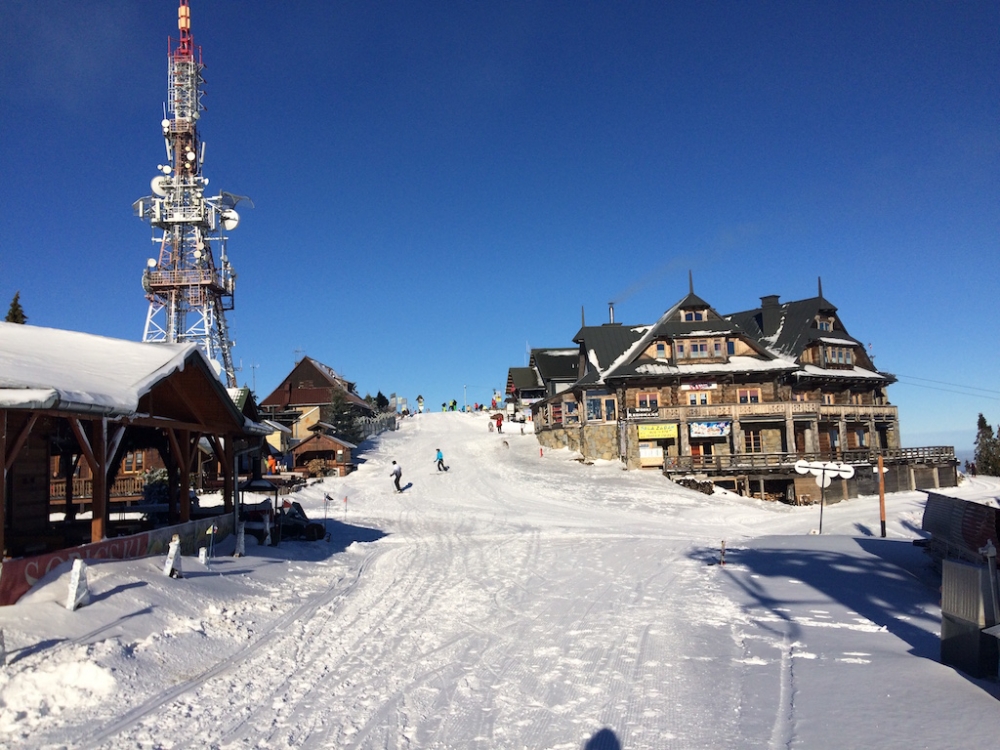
<point x="83" y="397"/>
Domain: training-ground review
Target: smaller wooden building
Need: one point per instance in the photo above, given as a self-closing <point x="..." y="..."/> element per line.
<point x="336" y="455"/>
<point x="80" y="397"/>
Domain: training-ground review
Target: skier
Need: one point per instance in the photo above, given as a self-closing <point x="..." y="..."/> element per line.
<point x="397" y="473"/>
<point x="440" y="461"/>
<point x="499" y="423"/>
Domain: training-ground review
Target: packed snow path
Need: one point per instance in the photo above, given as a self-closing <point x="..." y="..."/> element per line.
<point x="518" y="600"/>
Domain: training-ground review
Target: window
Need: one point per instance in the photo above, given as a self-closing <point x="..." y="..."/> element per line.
<point x="699" y="398"/>
<point x="594" y="410"/>
<point x="132" y="463"/>
<point x="717" y="348"/>
<point x="752" y="442"/>
<point x="609" y="409"/>
<point x="695" y="348"/>
<point x="693" y="315"/>
<point x="730" y="348"/>
<point x="829" y="399"/>
<point x="837" y="355"/>
<point x="647" y="400"/>
<point x="857" y="398"/>
<point x="748" y="395"/>
<point x="570" y="412"/>
<point x="800" y="396"/>
<point x="661" y="350"/>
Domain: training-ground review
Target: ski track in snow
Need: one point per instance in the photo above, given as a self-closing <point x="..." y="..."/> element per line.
<point x="510" y="604"/>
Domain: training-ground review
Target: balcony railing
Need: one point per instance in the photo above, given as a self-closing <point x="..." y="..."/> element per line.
<point x="83" y="489"/>
<point x="782" y="410"/>
<point x="741" y="462"/>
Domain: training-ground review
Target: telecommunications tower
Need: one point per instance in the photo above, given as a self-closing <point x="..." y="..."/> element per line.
<point x="188" y="291"/>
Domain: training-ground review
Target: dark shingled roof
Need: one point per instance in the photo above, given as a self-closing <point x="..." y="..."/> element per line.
<point x="792" y="329"/>
<point x="523" y="378"/>
<point x="607" y="343"/>
<point x="556" y="364"/>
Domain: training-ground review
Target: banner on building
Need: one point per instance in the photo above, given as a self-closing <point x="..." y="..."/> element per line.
<point x="709" y="429"/>
<point x="657" y="431"/>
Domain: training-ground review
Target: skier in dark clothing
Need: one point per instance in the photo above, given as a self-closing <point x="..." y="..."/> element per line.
<point x="397" y="473"/>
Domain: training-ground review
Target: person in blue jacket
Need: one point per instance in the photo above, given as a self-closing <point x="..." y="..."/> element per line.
<point x="440" y="461"/>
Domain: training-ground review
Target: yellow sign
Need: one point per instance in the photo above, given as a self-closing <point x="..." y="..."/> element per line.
<point x="654" y="431"/>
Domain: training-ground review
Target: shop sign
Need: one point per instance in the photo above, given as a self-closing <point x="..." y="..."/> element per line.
<point x="657" y="431"/>
<point x="643" y="412"/>
<point x="709" y="429"/>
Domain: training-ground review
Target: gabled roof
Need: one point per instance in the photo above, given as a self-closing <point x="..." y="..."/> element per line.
<point x="555" y="364"/>
<point x="523" y="379"/>
<point x="604" y="345"/>
<point x="52" y="369"/>
<point x="793" y="328"/>
<point x="321" y="380"/>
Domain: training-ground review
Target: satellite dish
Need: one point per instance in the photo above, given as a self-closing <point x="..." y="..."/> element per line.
<point x="165" y="124"/>
<point x="216" y="366"/>
<point x="190" y="155"/>
<point x="197" y="254"/>
<point x="230" y="219"/>
<point x="158" y="185"/>
<point x="151" y="263"/>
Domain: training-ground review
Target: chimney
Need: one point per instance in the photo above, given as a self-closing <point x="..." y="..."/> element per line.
<point x="611" y="312"/>
<point x="770" y="314"/>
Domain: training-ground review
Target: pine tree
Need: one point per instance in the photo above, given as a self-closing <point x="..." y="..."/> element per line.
<point x="987" y="449"/>
<point x="340" y="414"/>
<point x="16" y="313"/>
<point x="381" y="402"/>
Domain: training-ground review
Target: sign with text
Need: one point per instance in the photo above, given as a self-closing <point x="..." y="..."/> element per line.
<point x="643" y="411"/>
<point x="657" y="431"/>
<point x="709" y="429"/>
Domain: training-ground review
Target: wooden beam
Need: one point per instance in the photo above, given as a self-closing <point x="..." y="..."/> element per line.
<point x="99" y="498"/>
<point x="19" y="441"/>
<point x="85" y="448"/>
<point x="3" y="483"/>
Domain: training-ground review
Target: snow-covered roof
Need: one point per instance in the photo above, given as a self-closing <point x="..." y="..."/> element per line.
<point x="48" y="368"/>
<point x="850" y="372"/>
<point x="735" y="364"/>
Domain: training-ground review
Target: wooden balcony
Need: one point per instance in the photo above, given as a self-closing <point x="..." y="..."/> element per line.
<point x="776" y="411"/>
<point x="83" y="489"/>
<point x="740" y="463"/>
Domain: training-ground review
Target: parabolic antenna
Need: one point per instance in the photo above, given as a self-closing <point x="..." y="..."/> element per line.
<point x="230" y="219"/>
<point x="158" y="185"/>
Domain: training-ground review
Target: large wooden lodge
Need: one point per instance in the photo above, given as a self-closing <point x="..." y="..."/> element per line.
<point x="734" y="399"/>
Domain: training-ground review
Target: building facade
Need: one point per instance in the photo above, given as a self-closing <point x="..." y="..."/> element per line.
<point x="737" y="399"/>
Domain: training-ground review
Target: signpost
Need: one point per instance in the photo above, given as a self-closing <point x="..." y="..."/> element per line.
<point x="824" y="471"/>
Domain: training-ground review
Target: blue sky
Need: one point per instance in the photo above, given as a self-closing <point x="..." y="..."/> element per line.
<point x="439" y="186"/>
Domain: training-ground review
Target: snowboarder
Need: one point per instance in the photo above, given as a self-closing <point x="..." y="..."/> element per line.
<point x="397" y="473"/>
<point x="440" y="461"/>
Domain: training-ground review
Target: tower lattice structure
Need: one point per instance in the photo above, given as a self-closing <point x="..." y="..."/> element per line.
<point x="188" y="291"/>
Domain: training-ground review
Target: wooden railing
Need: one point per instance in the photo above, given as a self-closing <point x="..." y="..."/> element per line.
<point x="739" y="462"/>
<point x="786" y="410"/>
<point x="83" y="489"/>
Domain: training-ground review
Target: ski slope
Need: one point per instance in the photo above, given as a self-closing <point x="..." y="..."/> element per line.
<point x="518" y="600"/>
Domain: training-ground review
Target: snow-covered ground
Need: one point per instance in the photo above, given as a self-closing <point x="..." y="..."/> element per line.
<point x="517" y="601"/>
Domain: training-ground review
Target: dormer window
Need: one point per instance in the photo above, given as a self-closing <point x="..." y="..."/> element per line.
<point x="691" y="316"/>
<point x="661" y="350"/>
<point x="824" y="323"/>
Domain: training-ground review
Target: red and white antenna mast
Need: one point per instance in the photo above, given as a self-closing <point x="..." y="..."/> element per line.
<point x="188" y="291"/>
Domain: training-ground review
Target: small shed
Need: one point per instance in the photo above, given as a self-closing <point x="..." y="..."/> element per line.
<point x="335" y="453"/>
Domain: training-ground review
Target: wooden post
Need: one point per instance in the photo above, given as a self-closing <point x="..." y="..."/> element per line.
<point x="881" y="493"/>
<point x="99" y="501"/>
<point x="3" y="481"/>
